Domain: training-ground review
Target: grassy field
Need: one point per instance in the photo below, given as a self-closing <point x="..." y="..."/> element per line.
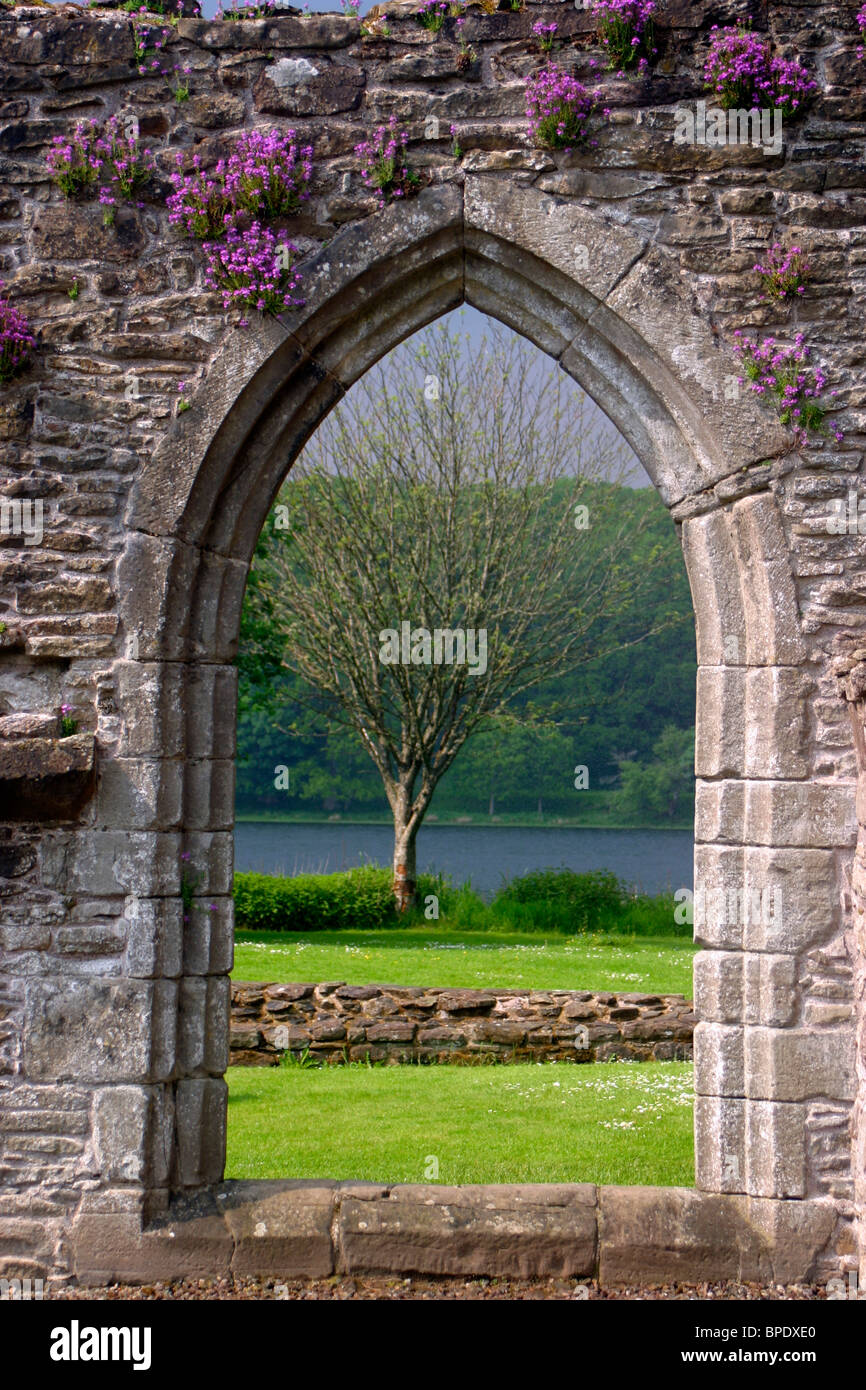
<point x="432" y="957"/>
<point x="609" y="1123"/>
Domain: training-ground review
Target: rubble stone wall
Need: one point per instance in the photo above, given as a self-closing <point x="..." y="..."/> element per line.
<point x="388" y="1023"/>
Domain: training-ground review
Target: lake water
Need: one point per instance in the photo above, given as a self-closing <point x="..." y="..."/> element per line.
<point x="652" y="860"/>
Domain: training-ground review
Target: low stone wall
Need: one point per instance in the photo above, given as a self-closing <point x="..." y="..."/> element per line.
<point x="389" y="1023"/>
<point x="620" y="1236"/>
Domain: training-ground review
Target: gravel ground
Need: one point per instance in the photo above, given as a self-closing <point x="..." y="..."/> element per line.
<point x="388" y="1287"/>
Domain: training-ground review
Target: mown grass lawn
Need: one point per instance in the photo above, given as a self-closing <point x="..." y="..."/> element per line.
<point x="433" y="957"/>
<point x="551" y="1122"/>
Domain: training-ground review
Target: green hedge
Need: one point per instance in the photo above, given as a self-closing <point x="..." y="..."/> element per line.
<point x="550" y="900"/>
<point x="359" y="899"/>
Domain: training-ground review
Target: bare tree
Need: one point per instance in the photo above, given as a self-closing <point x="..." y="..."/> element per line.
<point x="451" y="539"/>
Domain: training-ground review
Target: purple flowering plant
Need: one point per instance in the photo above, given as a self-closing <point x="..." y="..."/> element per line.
<point x="545" y="35"/>
<point x="432" y="14"/>
<point x="254" y="268"/>
<point x="783" y="272"/>
<point x="16" y="340"/>
<point x="466" y="54"/>
<point x="256" y="9"/>
<point x="861" y="25"/>
<point x="741" y="72"/>
<point x="784" y="373"/>
<point x="559" y="108"/>
<point x="625" y="28"/>
<point x="107" y="156"/>
<point x="68" y="725"/>
<point x="265" y="176"/>
<point x="384" y="167"/>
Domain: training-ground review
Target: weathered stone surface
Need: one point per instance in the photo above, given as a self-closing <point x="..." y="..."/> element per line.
<point x="288" y="88"/>
<point x="281" y="1229"/>
<point x="98" y="1030"/>
<point x="446" y="1025"/>
<point x="651" y="1235"/>
<point x="471" y="1230"/>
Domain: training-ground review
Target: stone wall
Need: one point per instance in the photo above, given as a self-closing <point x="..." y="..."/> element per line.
<point x="389" y="1023"/>
<point x="630" y="264"/>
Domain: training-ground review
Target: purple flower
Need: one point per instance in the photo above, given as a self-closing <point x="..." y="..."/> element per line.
<point x="558" y="108"/>
<point x="254" y="269"/>
<point x="742" y="73"/>
<point x="382" y="164"/>
<point x="625" y="30"/>
<point x="16" y="340"/>
<point x="265" y="176"/>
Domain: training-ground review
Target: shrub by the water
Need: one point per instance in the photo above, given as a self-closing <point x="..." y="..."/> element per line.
<point x="360" y="899"/>
<point x="548" y="900"/>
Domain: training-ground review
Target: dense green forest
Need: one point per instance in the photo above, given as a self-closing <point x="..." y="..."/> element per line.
<point x="612" y="743"/>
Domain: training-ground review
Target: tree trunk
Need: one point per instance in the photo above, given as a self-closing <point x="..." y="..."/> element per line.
<point x="405" y="878"/>
<point x="491" y="810"/>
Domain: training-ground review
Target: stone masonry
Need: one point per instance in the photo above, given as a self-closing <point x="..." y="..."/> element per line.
<point x="391" y="1023"/>
<point x="630" y="263"/>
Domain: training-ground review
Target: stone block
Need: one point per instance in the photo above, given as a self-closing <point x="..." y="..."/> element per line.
<point x="211" y="862"/>
<point x="150" y="696"/>
<point x="203" y="1024"/>
<point x="524" y="1232"/>
<point x="89" y="1030"/>
<point x="791" y="1064"/>
<point x="719" y="986"/>
<point x="719" y="618"/>
<point x="200" y="1107"/>
<point x="106" y="863"/>
<point x="720" y="728"/>
<point x="803" y="885"/>
<point x="718" y="1050"/>
<point x="803" y="814"/>
<point x="776" y="723"/>
<point x="140" y="794"/>
<point x="209" y="794"/>
<point x="150" y="572"/>
<point x="720" y="1143"/>
<point x="773" y="635"/>
<point x="121" y="1132"/>
<point x="154" y="936"/>
<point x="280" y="1229"/>
<point x="775" y="1149"/>
<point x="720" y="812"/>
<point x="208" y="937"/>
<point x="113" y="1247"/>
<point x="770" y="989"/>
<point x="661" y="1235"/>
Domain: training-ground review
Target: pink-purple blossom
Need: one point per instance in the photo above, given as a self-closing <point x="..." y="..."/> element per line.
<point x="784" y="372"/>
<point x="558" y="108"/>
<point x="783" y="271"/>
<point x="16" y="339"/>
<point x="384" y="165"/>
<point x="254" y="268"/>
<point x="107" y="156"/>
<point x="743" y="74"/>
<point x="266" y="176"/>
<point x="625" y="28"/>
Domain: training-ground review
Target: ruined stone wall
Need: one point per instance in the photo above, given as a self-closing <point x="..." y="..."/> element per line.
<point x="630" y="263"/>
<point x="385" y="1023"/>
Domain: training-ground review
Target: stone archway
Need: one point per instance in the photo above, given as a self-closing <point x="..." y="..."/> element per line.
<point x="139" y="1051"/>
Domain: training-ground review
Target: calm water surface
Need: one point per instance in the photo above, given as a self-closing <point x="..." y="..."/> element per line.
<point x="652" y="860"/>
